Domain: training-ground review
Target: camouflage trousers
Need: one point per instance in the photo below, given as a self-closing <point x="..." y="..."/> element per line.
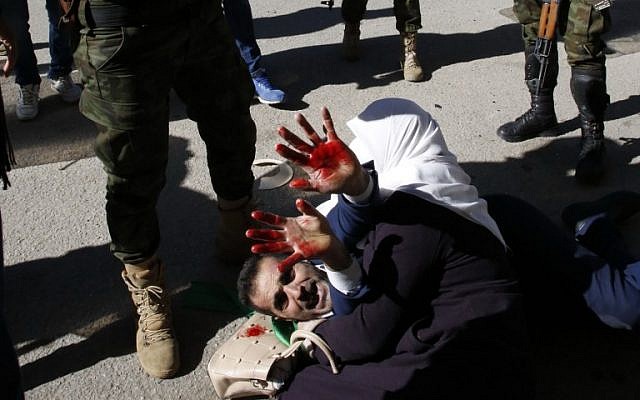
<point x="128" y="72"/>
<point x="579" y="23"/>
<point x="407" y="13"/>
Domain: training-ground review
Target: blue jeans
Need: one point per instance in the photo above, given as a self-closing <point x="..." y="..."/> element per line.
<point x="16" y="15"/>
<point x="240" y="20"/>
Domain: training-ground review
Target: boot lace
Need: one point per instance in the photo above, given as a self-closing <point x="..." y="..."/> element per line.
<point x="411" y="60"/>
<point x="592" y="138"/>
<point x="151" y="307"/>
<point x="27" y="95"/>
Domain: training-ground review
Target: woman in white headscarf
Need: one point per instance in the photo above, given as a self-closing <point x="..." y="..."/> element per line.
<point x="410" y="155"/>
<point x="407" y="150"/>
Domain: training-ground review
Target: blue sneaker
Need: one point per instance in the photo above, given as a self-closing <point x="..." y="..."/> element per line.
<point x="265" y="92"/>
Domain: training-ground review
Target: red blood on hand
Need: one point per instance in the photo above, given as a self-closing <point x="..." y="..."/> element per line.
<point x="265" y="234"/>
<point x="268" y="218"/>
<point x="328" y="155"/>
<point x="299" y="183"/>
<point x="291" y="155"/>
<point x="289" y="262"/>
<point x="273" y="247"/>
<point x="307" y="249"/>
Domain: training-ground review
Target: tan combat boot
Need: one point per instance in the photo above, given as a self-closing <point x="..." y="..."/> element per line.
<point x="155" y="341"/>
<point x="232" y="246"/>
<point x="350" y="41"/>
<point x="411" y="65"/>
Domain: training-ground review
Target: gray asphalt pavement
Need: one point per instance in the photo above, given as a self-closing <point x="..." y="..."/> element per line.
<point x="67" y="308"/>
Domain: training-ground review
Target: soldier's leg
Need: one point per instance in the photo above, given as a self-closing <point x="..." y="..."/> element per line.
<point x="586" y="55"/>
<point x="408" y="22"/>
<point x="541" y="117"/>
<point x="352" y="14"/>
<point x="217" y="89"/>
<point x="127" y="77"/>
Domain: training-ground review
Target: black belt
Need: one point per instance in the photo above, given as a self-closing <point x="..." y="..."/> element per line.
<point x="112" y="15"/>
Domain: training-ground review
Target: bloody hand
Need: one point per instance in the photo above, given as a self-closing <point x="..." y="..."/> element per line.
<point x="306" y="236"/>
<point x="331" y="165"/>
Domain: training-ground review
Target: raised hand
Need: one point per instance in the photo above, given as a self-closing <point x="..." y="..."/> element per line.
<point x="306" y="236"/>
<point x="332" y="167"/>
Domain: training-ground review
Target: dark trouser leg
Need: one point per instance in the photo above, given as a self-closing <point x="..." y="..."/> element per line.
<point x="407" y="12"/>
<point x="10" y="376"/>
<point x="127" y="82"/>
<point x="220" y="106"/>
<point x="586" y="55"/>
<point x="353" y="11"/>
<point x="10" y="388"/>
<point x="589" y="90"/>
<point x="215" y="86"/>
<point x="604" y="239"/>
<point x="594" y="223"/>
<point x="553" y="276"/>
<point x="16" y="16"/>
<point x="134" y="183"/>
<point x="352" y="14"/>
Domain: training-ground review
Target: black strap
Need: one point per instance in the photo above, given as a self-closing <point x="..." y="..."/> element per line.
<point x="7" y="158"/>
<point x="112" y="15"/>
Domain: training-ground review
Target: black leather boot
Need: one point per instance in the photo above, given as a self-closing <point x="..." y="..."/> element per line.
<point x="589" y="91"/>
<point x="541" y="117"/>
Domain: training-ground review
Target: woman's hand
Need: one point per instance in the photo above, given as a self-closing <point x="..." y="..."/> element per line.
<point x="331" y="165"/>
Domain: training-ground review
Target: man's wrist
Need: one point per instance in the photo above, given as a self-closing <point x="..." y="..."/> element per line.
<point x="364" y="190"/>
<point x="348" y="281"/>
<point x="337" y="258"/>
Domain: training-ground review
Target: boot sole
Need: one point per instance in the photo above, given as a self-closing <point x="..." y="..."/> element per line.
<point x="549" y="132"/>
<point x="270" y="102"/>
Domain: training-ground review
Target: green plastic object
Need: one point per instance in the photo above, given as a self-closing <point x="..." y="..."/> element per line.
<point x="283" y="329"/>
<point x="213" y="296"/>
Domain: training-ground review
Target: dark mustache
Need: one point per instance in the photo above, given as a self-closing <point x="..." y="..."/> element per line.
<point x="309" y="295"/>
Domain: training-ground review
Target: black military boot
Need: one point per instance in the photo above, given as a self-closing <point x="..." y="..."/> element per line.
<point x="589" y="91"/>
<point x="541" y="117"/>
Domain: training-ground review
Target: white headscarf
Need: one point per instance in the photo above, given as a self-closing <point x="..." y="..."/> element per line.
<point x="410" y="155"/>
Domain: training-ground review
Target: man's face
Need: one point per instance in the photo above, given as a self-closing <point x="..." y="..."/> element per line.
<point x="301" y="293"/>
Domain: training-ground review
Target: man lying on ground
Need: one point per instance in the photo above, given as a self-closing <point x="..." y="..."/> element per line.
<point x="443" y="315"/>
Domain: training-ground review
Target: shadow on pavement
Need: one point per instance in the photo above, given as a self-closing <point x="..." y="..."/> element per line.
<point x="625" y="14"/>
<point x="81" y="292"/>
<point x="544" y="176"/>
<point x="306" y="21"/>
<point x="372" y="70"/>
<point x="59" y="132"/>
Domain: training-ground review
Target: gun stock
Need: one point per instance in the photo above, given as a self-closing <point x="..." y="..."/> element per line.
<point x="546" y="35"/>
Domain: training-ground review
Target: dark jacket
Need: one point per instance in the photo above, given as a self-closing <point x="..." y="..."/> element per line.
<point x="444" y="321"/>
